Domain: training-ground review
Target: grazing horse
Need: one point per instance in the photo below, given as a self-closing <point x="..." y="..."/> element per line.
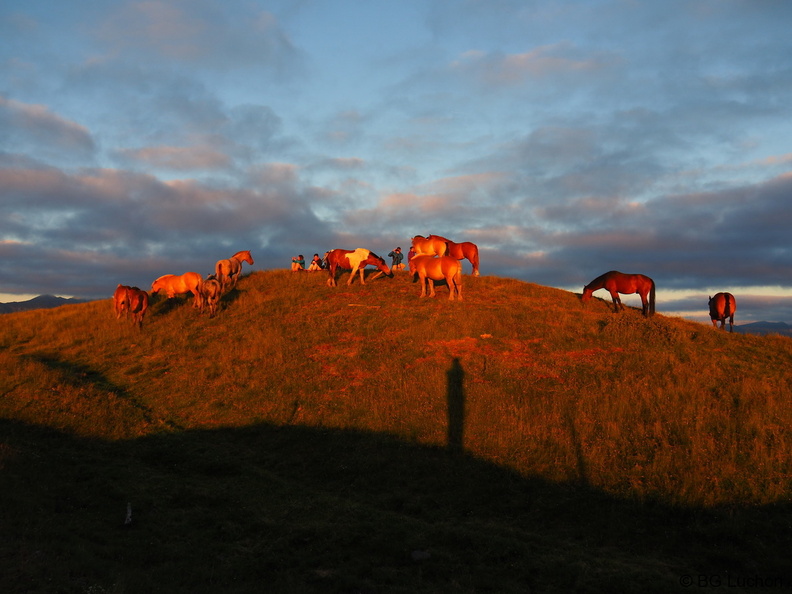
<point x="354" y="260"/>
<point x="189" y="282"/>
<point x="138" y="304"/>
<point x="617" y="282"/>
<point x="121" y="301"/>
<point x="210" y="294"/>
<point x="722" y="306"/>
<point x="434" y="245"/>
<point x="227" y="271"/>
<point x="430" y="269"/>
<point x="461" y="251"/>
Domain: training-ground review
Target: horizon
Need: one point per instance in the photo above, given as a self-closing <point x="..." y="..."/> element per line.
<point x="564" y="139"/>
<point x="628" y="300"/>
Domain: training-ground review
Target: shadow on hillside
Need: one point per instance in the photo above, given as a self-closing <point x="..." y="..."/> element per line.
<point x="298" y="509"/>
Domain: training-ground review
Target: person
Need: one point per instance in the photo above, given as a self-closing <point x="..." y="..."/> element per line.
<point x="397" y="258"/>
<point x="410" y="256"/>
<point x="298" y="263"/>
<point x="316" y="263"/>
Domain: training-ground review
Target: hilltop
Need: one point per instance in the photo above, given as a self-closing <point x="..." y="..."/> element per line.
<point x="310" y="439"/>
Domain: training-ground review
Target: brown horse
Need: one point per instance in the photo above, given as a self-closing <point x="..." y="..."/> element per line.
<point x="354" y="260"/>
<point x="434" y="245"/>
<point x="617" y="282"/>
<point x="722" y="306"/>
<point x="121" y="301"/>
<point x="227" y="271"/>
<point x="130" y="300"/>
<point x="461" y="251"/>
<point x="138" y="304"/>
<point x="210" y="294"/>
<point x="189" y="282"/>
<point x="429" y="269"/>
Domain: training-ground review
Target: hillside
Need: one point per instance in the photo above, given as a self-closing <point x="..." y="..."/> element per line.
<point x="40" y="302"/>
<point x="359" y="439"/>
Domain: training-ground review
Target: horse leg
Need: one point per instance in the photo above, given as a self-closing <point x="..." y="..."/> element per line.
<point x="431" y="287"/>
<point x="731" y="323"/>
<point x="331" y="271"/>
<point x="617" y="304"/>
<point x="357" y="268"/>
<point x="422" y="278"/>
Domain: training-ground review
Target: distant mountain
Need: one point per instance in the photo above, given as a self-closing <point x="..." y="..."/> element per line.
<point x="40" y="302"/>
<point x="763" y="328"/>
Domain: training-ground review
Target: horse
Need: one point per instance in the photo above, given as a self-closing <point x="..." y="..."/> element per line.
<point x="722" y="306"/>
<point x="211" y="292"/>
<point x="227" y="271"/>
<point x="138" y="304"/>
<point x="461" y="251"/>
<point x="189" y="282"/>
<point x="430" y="269"/>
<point x="354" y="260"/>
<point x="434" y="245"/>
<point x="617" y="282"/>
<point x="121" y="301"/>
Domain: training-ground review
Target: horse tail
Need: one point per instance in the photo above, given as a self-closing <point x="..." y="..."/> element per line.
<point x="475" y="260"/>
<point x="727" y="308"/>
<point x="652" y="299"/>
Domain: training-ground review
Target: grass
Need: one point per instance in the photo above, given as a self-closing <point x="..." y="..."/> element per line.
<point x="359" y="439"/>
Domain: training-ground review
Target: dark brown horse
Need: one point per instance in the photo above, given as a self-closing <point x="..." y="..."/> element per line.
<point x="466" y="250"/>
<point x="722" y="306"/>
<point x="617" y="282"/>
<point x="138" y="305"/>
<point x="354" y="260"/>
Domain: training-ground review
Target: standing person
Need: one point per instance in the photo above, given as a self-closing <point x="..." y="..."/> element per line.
<point x="397" y="258"/>
<point x="410" y="256"/>
<point x="316" y="263"/>
<point x="298" y="263"/>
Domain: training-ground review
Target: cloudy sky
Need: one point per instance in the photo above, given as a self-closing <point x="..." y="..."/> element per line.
<point x="568" y="138"/>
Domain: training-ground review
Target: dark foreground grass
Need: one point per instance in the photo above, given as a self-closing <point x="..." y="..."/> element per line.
<point x="295" y="509"/>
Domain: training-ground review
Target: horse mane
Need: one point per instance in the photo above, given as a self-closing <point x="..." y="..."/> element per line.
<point x="599" y="280"/>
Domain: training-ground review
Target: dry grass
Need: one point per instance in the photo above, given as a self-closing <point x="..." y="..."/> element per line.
<point x="659" y="410"/>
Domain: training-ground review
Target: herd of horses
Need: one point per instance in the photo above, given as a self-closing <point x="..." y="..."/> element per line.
<point x="721" y="307"/>
<point x="133" y="302"/>
<point x="433" y="258"/>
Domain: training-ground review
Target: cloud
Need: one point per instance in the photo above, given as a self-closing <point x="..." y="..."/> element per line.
<point x="34" y="128"/>
<point x="199" y="33"/>
<point x="537" y="65"/>
<point x="176" y="158"/>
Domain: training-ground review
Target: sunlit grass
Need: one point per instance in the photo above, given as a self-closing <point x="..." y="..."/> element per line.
<point x="659" y="408"/>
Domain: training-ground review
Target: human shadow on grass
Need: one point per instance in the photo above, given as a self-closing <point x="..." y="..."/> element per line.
<point x="300" y="509"/>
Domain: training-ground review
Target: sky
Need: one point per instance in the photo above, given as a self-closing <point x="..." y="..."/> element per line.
<point x="565" y="139"/>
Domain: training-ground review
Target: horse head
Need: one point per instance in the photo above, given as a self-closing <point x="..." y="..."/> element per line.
<point x="380" y="264"/>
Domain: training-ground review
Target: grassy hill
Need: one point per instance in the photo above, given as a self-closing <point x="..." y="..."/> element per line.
<point x="358" y="439"/>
